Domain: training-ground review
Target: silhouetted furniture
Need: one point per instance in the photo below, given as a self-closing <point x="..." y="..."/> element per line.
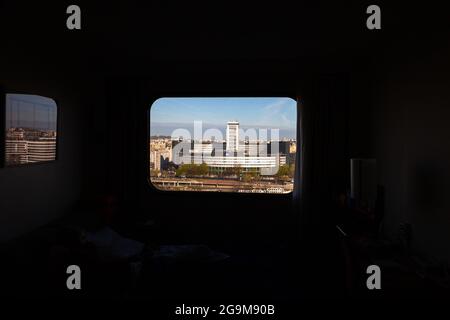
<point x="358" y="229"/>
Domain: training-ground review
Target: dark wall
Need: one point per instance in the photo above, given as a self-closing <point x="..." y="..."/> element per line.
<point x="33" y="195"/>
<point x="411" y="130"/>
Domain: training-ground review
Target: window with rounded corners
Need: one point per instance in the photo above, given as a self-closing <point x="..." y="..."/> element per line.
<point x="30" y="129"/>
<point x="243" y="145"/>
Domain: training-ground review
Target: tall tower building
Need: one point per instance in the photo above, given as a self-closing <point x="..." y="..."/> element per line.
<point x="232" y="136"/>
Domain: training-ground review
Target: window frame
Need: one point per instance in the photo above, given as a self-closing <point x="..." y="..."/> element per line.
<point x="4" y="92"/>
<point x="190" y="193"/>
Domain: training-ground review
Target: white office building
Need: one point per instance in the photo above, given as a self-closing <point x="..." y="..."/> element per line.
<point x="232" y="136"/>
<point x="250" y="156"/>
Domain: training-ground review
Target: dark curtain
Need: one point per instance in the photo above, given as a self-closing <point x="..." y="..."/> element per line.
<point x="323" y="155"/>
<point x="322" y="174"/>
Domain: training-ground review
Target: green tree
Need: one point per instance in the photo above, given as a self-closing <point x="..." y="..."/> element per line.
<point x="255" y="175"/>
<point x="238" y="170"/>
<point x="291" y="170"/>
<point x="228" y="172"/>
<point x="283" y="171"/>
<point x="192" y="170"/>
<point x="154" y="173"/>
<point x="203" y="169"/>
<point x="182" y="170"/>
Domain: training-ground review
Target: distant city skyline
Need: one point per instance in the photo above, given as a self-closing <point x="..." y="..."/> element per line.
<point x="168" y="114"/>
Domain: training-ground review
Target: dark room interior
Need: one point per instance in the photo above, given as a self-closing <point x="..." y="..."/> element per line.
<point x="361" y="96"/>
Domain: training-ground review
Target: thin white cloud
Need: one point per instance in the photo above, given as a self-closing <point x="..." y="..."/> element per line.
<point x="273" y="111"/>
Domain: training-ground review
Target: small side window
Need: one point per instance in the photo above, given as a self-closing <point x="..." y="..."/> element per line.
<point x="30" y="129"/>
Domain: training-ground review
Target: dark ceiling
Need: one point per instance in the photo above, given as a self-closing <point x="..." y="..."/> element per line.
<point x="128" y="35"/>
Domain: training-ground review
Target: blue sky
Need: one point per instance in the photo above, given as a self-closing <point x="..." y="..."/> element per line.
<point x="278" y="113"/>
<point x="23" y="110"/>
